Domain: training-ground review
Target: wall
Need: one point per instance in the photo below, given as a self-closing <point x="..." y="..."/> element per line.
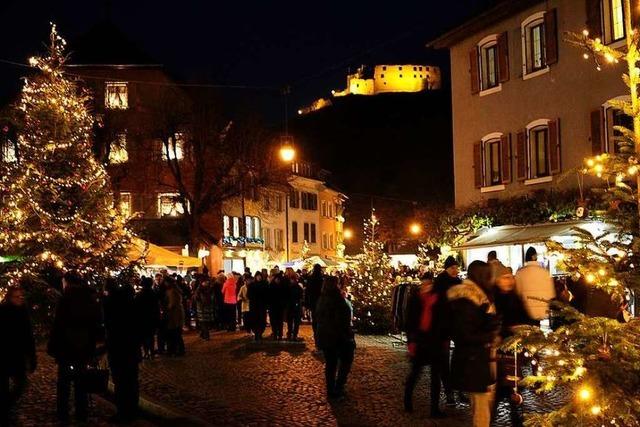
<point x="402" y="78"/>
<point x="570" y="91"/>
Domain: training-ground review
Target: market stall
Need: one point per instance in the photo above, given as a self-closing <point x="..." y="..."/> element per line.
<point x="155" y="257"/>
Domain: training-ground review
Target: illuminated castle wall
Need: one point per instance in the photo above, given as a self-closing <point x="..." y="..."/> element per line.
<point x="405" y="78"/>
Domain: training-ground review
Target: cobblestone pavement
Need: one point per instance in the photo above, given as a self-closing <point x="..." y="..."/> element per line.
<point x="231" y="381"/>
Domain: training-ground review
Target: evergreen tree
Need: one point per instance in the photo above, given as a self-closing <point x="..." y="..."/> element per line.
<point x="56" y="207"/>
<point x="371" y="285"/>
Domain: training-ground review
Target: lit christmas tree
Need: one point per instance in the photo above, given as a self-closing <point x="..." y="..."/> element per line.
<point x="56" y="207"/>
<point x="598" y="358"/>
<point x="371" y="286"/>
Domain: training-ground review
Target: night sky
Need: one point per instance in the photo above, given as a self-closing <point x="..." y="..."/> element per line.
<point x="264" y="44"/>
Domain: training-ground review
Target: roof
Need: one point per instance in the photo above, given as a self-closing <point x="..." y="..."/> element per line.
<point x="501" y="10"/>
<point x="529" y="234"/>
<point x="105" y="43"/>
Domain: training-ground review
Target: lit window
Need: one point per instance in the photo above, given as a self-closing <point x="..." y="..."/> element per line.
<point x="169" y="205"/>
<point x="539" y="151"/>
<point x="8" y="152"/>
<point x="226" y="226"/>
<point x="236" y="226"/>
<point x="248" y="229"/>
<point x="125" y="204"/>
<point x="613" y="20"/>
<point x="533" y="43"/>
<point x="116" y="96"/>
<point x="256" y="228"/>
<point x="489" y="65"/>
<point x="174" y="150"/>
<point x="118" y="152"/>
<point x="614" y="118"/>
<point x="492" y="162"/>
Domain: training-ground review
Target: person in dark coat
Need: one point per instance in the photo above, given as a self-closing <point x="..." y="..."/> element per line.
<point x="148" y="309"/>
<point x="312" y="295"/>
<point x="76" y="330"/>
<point x="294" y="305"/>
<point x="122" y="325"/>
<point x="205" y="302"/>
<point x="443" y="282"/>
<point x="18" y="354"/>
<point x="474" y="329"/>
<point x="258" y="294"/>
<point x="426" y="317"/>
<point x="160" y="289"/>
<point x="278" y="297"/>
<point x="175" y="319"/>
<point x="335" y="336"/>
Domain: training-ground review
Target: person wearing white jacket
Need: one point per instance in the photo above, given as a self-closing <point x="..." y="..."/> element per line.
<point x="243" y="298"/>
<point x="534" y="285"/>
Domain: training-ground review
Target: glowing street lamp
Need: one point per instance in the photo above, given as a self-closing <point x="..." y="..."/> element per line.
<point x="287" y="152"/>
<point x="348" y="234"/>
<point x="415" y="229"/>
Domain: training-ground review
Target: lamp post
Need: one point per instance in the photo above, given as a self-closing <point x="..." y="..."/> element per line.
<point x="287" y="155"/>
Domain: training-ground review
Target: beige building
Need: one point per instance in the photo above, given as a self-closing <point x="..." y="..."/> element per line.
<point x="312" y="210"/>
<point x="527" y="106"/>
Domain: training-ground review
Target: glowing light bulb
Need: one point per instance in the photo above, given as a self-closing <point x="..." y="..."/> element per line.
<point x="590" y="163"/>
<point x="602" y="272"/>
<point x="595" y="410"/>
<point x="585" y="32"/>
<point x="584" y="393"/>
<point x="590" y="278"/>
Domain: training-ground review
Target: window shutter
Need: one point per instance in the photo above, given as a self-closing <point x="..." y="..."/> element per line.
<point x="477" y="164"/>
<point x="505" y="153"/>
<point x="554" y="146"/>
<point x="473" y="70"/>
<point x="635" y="14"/>
<point x="521" y="155"/>
<point x="596" y="132"/>
<point x="503" y="57"/>
<point x="594" y="18"/>
<point x="551" y="36"/>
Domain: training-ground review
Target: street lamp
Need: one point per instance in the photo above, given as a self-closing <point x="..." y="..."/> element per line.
<point x="415" y="229"/>
<point x="348" y="233"/>
<point x="287" y="152"/>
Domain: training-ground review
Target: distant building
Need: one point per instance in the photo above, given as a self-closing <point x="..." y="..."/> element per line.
<point x="405" y="78"/>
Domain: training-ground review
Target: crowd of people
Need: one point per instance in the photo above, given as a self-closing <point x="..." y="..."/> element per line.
<point x="126" y="323"/>
<point x="453" y="325"/>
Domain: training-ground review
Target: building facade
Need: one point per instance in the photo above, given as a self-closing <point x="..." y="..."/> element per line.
<point x="283" y="223"/>
<point x="527" y="106"/>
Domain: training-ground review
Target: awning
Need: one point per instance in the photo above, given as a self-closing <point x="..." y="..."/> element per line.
<point x="523" y="234"/>
<point x="155" y="256"/>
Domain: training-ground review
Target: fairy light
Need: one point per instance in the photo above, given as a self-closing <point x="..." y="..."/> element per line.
<point x="585" y="393"/>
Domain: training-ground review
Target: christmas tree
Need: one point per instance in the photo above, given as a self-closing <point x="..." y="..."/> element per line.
<point x="56" y="208"/>
<point x="371" y="285"/>
<point x="597" y="359"/>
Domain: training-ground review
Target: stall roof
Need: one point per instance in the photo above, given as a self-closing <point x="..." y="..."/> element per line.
<point x="156" y="256"/>
<point x="522" y="234"/>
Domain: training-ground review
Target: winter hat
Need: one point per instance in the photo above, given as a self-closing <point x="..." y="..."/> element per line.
<point x="450" y="261"/>
<point x="428" y="275"/>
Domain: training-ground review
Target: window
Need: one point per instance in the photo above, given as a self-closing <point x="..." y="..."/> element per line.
<point x="306" y="232"/>
<point x="294" y="232"/>
<point x="613" y="20"/>
<point x="266" y="202"/>
<point x="309" y="201"/>
<point x="279" y="203"/>
<point x="323" y="209"/>
<point x="236" y="226"/>
<point x="492" y="162"/>
<point x="325" y="241"/>
<point x="124" y="204"/>
<point x="266" y="234"/>
<point x="116" y="96"/>
<point x="8" y="152"/>
<point x="174" y="149"/>
<point x="331" y="246"/>
<point x="613" y="118"/>
<point x="382" y="76"/>
<point x="279" y="239"/>
<point x="489" y="65"/>
<point x="169" y="205"/>
<point x="539" y="151"/>
<point x="313" y="233"/>
<point x="248" y="229"/>
<point x="534" y="42"/>
<point x="294" y="199"/>
<point x="226" y="226"/>
<point x="118" y="152"/>
<point x="256" y="228"/>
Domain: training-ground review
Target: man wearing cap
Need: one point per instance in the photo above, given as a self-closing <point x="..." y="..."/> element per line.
<point x="444" y="281"/>
<point x="535" y="286"/>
